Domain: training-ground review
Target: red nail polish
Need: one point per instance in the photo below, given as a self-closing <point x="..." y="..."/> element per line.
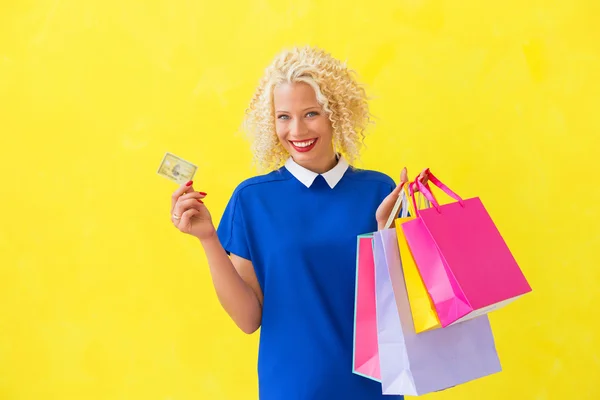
<point x="200" y="201"/>
<point x="189" y="183"/>
<point x="202" y="193"/>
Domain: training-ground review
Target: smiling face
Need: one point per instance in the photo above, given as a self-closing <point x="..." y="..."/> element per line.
<point x="303" y="128"/>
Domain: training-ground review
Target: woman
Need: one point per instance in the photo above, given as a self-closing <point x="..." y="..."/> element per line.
<point x="283" y="257"/>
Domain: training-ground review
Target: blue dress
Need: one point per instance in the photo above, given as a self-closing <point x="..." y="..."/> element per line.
<point x="301" y="240"/>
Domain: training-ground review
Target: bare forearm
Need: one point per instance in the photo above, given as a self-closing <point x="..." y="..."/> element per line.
<point x="235" y="295"/>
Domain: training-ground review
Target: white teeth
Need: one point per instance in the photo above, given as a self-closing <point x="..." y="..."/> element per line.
<point x="303" y="144"/>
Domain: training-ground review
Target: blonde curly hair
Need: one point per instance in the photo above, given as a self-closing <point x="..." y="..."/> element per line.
<point x="341" y="96"/>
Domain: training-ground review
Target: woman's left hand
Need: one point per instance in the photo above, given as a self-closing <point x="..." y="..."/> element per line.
<point x="387" y="205"/>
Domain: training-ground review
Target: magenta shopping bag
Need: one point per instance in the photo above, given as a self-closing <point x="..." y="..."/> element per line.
<point x="464" y="262"/>
<point x="366" y="352"/>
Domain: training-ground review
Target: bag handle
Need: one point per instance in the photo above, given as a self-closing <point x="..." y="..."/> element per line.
<point x="426" y="190"/>
<point x="403" y="200"/>
<point x="411" y="192"/>
<point x="421" y="197"/>
<point x="404" y="210"/>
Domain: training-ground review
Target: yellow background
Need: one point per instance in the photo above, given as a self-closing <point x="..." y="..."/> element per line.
<point x="101" y="298"/>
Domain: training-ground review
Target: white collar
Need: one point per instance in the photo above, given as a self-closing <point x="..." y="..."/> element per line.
<point x="307" y="177"/>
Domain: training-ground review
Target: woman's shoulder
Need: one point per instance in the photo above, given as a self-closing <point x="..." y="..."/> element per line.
<point x="260" y="182"/>
<point x="369" y="175"/>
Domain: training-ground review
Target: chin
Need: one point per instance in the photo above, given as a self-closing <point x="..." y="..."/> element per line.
<point x="306" y="156"/>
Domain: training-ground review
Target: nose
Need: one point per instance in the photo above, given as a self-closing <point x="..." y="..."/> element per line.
<point x="298" y="128"/>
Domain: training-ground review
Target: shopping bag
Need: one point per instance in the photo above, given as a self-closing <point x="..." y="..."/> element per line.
<point x="423" y="311"/>
<point x="464" y="262"/>
<point x="416" y="364"/>
<point x="365" y="348"/>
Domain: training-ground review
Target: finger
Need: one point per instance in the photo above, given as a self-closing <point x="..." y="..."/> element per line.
<point x="184" y="188"/>
<point x="424" y="176"/>
<point x="186" y="220"/>
<point x="191" y="195"/>
<point x="403" y="180"/>
<point x="187" y="200"/>
<point x="404" y="175"/>
<point x="197" y="196"/>
<point x="182" y="206"/>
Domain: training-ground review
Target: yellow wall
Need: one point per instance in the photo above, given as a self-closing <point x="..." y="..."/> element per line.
<point x="100" y="298"/>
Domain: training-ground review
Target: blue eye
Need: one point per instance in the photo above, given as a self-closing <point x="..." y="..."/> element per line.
<point x="282" y="117"/>
<point x="312" y="114"/>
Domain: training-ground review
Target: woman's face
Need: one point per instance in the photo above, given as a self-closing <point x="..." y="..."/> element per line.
<point x="303" y="128"/>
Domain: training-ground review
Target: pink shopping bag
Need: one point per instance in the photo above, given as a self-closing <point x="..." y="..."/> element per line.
<point x="366" y="352"/>
<point x="464" y="262"/>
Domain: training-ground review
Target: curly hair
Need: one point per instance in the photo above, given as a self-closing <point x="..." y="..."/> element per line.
<point x="341" y="96"/>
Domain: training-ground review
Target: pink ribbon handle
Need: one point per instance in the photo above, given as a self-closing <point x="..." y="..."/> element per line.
<point x="411" y="194"/>
<point x="429" y="196"/>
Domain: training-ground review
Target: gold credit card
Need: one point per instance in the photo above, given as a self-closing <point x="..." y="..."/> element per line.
<point x="176" y="169"/>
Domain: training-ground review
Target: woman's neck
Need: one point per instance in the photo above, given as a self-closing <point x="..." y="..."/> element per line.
<point x="321" y="166"/>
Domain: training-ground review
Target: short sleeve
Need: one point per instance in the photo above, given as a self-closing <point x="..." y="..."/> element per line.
<point x="232" y="230"/>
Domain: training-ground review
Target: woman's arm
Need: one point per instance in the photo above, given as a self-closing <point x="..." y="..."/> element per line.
<point x="236" y="285"/>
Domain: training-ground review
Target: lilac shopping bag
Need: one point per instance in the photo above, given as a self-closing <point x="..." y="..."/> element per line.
<point x="464" y="262"/>
<point x="416" y="364"/>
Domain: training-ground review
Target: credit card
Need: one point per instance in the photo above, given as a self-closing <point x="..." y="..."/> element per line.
<point x="176" y="169"/>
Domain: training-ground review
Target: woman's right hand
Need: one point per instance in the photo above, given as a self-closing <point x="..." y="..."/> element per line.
<point x="189" y="214"/>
